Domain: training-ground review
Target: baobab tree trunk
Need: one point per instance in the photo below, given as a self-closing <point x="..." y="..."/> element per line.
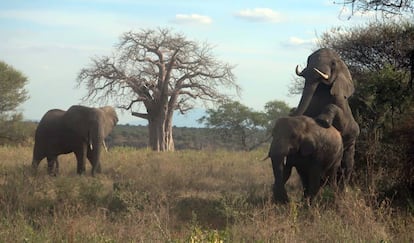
<point x="160" y="132"/>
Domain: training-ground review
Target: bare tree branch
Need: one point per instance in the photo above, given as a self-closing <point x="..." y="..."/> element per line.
<point x="388" y="8"/>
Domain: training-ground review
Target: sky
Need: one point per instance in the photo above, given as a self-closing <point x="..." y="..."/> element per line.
<point x="51" y="41"/>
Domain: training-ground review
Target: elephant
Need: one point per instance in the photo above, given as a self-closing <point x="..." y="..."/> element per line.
<point x="315" y="152"/>
<point x="80" y="130"/>
<point x="328" y="81"/>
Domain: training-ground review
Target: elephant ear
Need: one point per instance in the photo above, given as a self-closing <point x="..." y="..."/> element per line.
<point x="307" y="147"/>
<point x="343" y="85"/>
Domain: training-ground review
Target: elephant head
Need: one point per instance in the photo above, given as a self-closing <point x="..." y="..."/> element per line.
<point x="324" y="67"/>
<point x="92" y="124"/>
<point x="292" y="135"/>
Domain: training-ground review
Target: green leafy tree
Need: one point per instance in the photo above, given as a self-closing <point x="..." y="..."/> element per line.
<point x="274" y="110"/>
<point x="154" y="73"/>
<point x="237" y="122"/>
<point x="243" y="125"/>
<point x="12" y="94"/>
<point x="372" y="47"/>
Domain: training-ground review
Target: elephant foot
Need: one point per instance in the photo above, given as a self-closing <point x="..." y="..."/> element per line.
<point x="280" y="196"/>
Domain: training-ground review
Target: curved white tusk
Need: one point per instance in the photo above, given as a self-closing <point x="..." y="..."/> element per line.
<point x="104" y="145"/>
<point x="297" y="71"/>
<point x="324" y="75"/>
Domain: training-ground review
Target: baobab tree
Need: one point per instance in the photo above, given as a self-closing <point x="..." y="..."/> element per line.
<point x="155" y="72"/>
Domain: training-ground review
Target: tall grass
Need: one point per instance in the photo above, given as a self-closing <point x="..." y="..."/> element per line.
<point x="198" y="196"/>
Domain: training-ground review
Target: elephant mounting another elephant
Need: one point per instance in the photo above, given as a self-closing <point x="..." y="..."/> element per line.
<point x="328" y="82"/>
<point x="328" y="85"/>
<point x="80" y="130"/>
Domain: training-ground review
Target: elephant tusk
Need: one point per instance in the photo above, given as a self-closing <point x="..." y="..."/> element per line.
<point x="104" y="145"/>
<point x="297" y="71"/>
<point x="91" y="146"/>
<point x="324" y="75"/>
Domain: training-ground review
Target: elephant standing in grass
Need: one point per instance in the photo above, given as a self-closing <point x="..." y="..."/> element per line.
<point x="328" y="83"/>
<point x="314" y="151"/>
<point x="80" y="129"/>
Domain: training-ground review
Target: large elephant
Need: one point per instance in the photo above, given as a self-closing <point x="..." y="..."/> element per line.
<point x="80" y="129"/>
<point x="328" y="81"/>
<point x="314" y="151"/>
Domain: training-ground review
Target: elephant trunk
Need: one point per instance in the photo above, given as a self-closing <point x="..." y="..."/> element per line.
<point x="279" y="191"/>
<point x="307" y="95"/>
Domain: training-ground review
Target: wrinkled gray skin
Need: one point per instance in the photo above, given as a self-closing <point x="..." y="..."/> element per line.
<point x="330" y="84"/>
<point x="80" y="129"/>
<point x="314" y="151"/>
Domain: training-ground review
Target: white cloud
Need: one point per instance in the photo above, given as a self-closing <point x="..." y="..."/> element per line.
<point x="260" y="15"/>
<point x="296" y="41"/>
<point x="192" y="19"/>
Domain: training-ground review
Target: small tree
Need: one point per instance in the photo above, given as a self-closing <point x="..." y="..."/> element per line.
<point x="274" y="110"/>
<point x="237" y="122"/>
<point x="249" y="128"/>
<point x="12" y="94"/>
<point x="164" y="72"/>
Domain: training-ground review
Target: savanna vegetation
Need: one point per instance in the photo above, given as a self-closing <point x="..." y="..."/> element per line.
<point x="185" y="196"/>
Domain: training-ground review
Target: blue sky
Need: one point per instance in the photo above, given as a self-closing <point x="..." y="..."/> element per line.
<point x="50" y="41"/>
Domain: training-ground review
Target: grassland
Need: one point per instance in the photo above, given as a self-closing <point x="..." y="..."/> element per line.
<point x="185" y="196"/>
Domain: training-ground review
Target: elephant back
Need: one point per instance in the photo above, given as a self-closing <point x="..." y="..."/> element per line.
<point x="50" y="123"/>
<point x="79" y="119"/>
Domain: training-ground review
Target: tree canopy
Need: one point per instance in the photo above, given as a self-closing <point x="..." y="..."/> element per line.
<point x="387" y="7"/>
<point x="12" y="94"/>
<point x="162" y="72"/>
<point x="236" y="121"/>
<point x="374" y="46"/>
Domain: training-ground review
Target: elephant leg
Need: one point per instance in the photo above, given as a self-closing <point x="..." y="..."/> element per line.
<point x="279" y="190"/>
<point x="35" y="164"/>
<point x="348" y="161"/>
<point x="81" y="158"/>
<point x="56" y="166"/>
<point x="331" y="115"/>
<point x="332" y="177"/>
<point x="94" y="159"/>
<point x="347" y="164"/>
<point x="314" y="182"/>
<point x="304" y="179"/>
<point x="52" y="165"/>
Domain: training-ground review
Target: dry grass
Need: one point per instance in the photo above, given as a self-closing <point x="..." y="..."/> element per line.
<point x="198" y="196"/>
